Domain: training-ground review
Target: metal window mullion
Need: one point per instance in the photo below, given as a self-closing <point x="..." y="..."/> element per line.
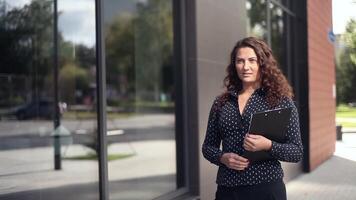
<point x="269" y="40"/>
<point x="179" y="63"/>
<point x="56" y="117"/>
<point x="101" y="101"/>
<point x="183" y="42"/>
<point x="289" y="47"/>
<point x="190" y="96"/>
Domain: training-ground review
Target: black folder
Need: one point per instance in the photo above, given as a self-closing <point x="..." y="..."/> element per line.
<point x="272" y="124"/>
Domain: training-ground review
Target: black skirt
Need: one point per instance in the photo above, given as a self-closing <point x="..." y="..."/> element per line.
<point x="264" y="191"/>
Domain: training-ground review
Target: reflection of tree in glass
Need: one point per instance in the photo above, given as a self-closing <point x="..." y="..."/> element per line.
<point x="73" y="79"/>
<point x="120" y="54"/>
<point x="139" y="52"/>
<point x="26" y="41"/>
<point x="85" y="56"/>
<point x="278" y="34"/>
<point x="256" y="11"/>
<point x="154" y="32"/>
<point x="76" y="63"/>
<point x="26" y="51"/>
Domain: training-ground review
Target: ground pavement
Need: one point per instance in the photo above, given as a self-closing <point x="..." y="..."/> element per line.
<point x="333" y="180"/>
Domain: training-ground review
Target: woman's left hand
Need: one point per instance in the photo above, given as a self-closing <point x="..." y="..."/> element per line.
<point x="254" y="142"/>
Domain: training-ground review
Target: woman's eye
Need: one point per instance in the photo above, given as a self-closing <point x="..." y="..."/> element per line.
<point x="253" y="60"/>
<point x="239" y="61"/>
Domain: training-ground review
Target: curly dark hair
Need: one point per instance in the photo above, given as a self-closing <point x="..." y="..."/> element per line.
<point x="273" y="82"/>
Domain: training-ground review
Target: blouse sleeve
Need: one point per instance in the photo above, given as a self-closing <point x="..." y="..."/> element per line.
<point x="292" y="149"/>
<point x="211" y="146"/>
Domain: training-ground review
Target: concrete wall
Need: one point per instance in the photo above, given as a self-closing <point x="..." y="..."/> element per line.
<point x="219" y="26"/>
<point x="321" y="71"/>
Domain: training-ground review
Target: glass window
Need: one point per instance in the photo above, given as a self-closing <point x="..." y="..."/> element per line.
<point x="279" y="37"/>
<point x="140" y="98"/>
<point x="285" y="3"/>
<point x="257" y="18"/>
<point x="29" y="144"/>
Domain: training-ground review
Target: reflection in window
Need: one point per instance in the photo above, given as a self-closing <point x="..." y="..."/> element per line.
<point x="256" y="18"/>
<point x="279" y="35"/>
<point x="284" y="2"/>
<point x="140" y="98"/>
<point x="27" y="102"/>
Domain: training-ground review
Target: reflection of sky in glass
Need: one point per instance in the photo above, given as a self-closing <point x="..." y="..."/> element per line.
<point x="76" y="21"/>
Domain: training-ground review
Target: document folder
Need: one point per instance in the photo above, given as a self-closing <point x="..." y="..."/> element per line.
<point x="271" y="124"/>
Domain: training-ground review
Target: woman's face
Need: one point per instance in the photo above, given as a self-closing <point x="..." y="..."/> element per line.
<point x="247" y="67"/>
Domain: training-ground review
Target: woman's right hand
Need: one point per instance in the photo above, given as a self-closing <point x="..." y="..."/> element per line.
<point x="234" y="161"/>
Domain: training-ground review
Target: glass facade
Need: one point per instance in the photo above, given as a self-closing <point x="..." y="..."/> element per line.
<point x="279" y="34"/>
<point x="140" y="98"/>
<point x="41" y="160"/>
<point x="256" y="18"/>
<point x="48" y="109"/>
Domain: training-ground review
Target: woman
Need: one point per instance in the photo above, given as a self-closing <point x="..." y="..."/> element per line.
<point x="254" y="83"/>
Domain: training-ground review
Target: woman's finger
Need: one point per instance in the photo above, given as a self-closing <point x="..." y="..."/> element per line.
<point x="240" y="158"/>
<point x="246" y="147"/>
<point x="240" y="166"/>
<point x="253" y="136"/>
<point x="249" y="143"/>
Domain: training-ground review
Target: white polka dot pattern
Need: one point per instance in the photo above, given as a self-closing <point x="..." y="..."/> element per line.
<point x="227" y="127"/>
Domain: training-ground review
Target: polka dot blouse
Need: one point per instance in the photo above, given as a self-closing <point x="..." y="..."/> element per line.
<point x="227" y="127"/>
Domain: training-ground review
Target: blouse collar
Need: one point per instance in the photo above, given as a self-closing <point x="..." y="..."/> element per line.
<point x="233" y="92"/>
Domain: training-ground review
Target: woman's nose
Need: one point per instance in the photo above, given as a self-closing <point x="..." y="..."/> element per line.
<point x="246" y="66"/>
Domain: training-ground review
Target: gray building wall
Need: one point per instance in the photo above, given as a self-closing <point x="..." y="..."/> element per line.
<point x="218" y="27"/>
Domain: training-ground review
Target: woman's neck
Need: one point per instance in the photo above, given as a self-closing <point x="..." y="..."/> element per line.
<point x="249" y="89"/>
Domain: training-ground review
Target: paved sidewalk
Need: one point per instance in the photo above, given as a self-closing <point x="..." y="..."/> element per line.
<point x="335" y="179"/>
<point x="127" y="176"/>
